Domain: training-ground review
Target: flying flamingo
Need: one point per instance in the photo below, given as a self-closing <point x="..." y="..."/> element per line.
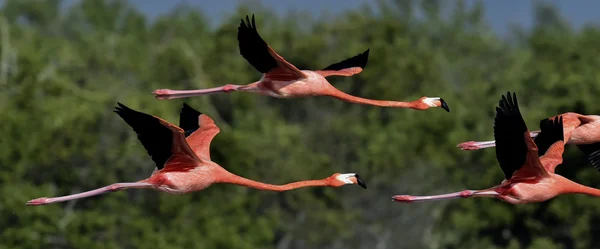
<point x="182" y="158"/>
<point x="581" y="130"/>
<point x="281" y="79"/>
<point x="529" y="178"/>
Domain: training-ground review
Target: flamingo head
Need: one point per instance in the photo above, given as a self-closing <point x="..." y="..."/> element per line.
<point x="338" y="180"/>
<point x="429" y="102"/>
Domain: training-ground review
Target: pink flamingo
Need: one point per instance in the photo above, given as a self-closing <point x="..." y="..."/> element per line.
<point x="529" y="178"/>
<point x="182" y="159"/>
<point x="581" y="130"/>
<point x="281" y="79"/>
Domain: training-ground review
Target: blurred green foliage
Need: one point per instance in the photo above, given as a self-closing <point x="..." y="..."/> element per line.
<point x="62" y="72"/>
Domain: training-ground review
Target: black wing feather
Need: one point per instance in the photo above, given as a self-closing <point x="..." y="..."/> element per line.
<point x="551" y="131"/>
<point x="188" y="119"/>
<point x="509" y="129"/>
<point x="155" y="137"/>
<point x="592" y="152"/>
<point x="253" y="48"/>
<point x="359" y="60"/>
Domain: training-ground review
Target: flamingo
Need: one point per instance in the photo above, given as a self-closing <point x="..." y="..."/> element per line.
<point x="182" y="157"/>
<point x="529" y="178"/>
<point x="579" y="129"/>
<point x="281" y="79"/>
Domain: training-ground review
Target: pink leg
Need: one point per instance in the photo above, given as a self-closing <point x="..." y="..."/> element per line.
<point x="109" y="188"/>
<point x="455" y="195"/>
<point x="472" y="145"/>
<point x="175" y="94"/>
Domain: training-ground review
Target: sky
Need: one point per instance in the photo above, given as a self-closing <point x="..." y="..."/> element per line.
<point x="500" y="13"/>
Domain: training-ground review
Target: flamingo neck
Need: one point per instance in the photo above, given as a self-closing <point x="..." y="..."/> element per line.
<point x="576" y="188"/>
<point x="358" y="100"/>
<point x="238" y="180"/>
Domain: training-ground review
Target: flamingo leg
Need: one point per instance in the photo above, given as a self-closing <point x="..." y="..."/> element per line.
<point x="455" y="195"/>
<point x="472" y="145"/>
<point x="175" y="94"/>
<point x="103" y="190"/>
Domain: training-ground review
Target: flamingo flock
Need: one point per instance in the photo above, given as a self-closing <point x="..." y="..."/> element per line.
<point x="528" y="164"/>
<point x="181" y="153"/>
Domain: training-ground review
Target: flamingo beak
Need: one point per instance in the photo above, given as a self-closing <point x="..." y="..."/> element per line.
<point x="360" y="181"/>
<point x="444" y="105"/>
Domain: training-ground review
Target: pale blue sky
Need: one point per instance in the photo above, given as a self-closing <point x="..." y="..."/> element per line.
<point x="499" y="13"/>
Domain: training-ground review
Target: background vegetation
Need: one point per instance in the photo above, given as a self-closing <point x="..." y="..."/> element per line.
<point x="62" y="72"/>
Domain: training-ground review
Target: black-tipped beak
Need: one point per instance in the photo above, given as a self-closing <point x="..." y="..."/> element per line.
<point x="360" y="181"/>
<point x="445" y="105"/>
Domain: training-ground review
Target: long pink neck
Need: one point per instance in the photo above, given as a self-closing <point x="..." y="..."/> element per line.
<point x="576" y="188"/>
<point x="358" y="100"/>
<point x="238" y="180"/>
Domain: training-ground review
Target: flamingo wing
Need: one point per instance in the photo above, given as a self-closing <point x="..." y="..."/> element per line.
<point x="551" y="142"/>
<point x="571" y="121"/>
<point x="515" y="150"/>
<point x="200" y="130"/>
<point x="347" y="67"/>
<point x="163" y="141"/>
<point x="546" y="139"/>
<point x="262" y="57"/>
<point x="188" y="119"/>
<point x="592" y="152"/>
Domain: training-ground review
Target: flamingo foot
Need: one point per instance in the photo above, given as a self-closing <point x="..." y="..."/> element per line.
<point x="38" y="201"/>
<point x="403" y="198"/>
<point x="163" y="93"/>
<point x="230" y="88"/>
<point x="472" y="145"/>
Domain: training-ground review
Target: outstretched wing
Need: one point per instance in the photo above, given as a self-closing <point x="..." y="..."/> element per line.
<point x="262" y="57"/>
<point x="551" y="141"/>
<point x="515" y="150"/>
<point x="571" y="121"/>
<point x="347" y="67"/>
<point x="592" y="152"/>
<point x="188" y="119"/>
<point x="201" y="128"/>
<point x="545" y="139"/>
<point x="162" y="140"/>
